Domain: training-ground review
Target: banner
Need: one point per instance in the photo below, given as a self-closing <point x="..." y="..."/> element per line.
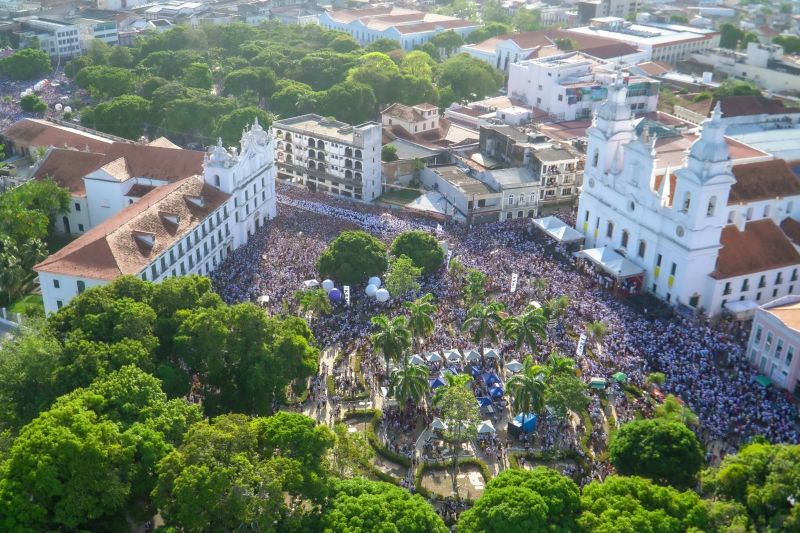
<point x="449" y="257"/>
<point x="514" y="279"/>
<point x="439" y="228"/>
<point x="346" y="289"/>
<point x="581" y="345"/>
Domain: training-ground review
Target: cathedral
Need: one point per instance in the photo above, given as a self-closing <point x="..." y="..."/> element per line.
<point x="711" y="232"/>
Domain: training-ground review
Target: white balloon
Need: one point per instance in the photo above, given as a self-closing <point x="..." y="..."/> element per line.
<point x="375" y="280"/>
<point x="59" y="107"/>
<point x="327" y="285"/>
<point x="68" y="109"/>
<point x="382" y="295"/>
<point x="371" y="290"/>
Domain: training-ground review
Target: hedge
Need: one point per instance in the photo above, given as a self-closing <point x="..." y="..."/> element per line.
<point x="373" y="439"/>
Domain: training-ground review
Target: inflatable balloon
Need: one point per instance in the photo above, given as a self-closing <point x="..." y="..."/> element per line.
<point x="335" y="295"/>
<point x="375" y="280"/>
<point x="68" y="109"/>
<point x="327" y="285"/>
<point x="371" y="290"/>
<point x="59" y="107"/>
<point x="382" y="295"/>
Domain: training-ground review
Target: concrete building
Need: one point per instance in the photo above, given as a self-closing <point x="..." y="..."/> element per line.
<point x="103" y="30"/>
<point x="407" y="26"/>
<point x="60" y="39"/>
<point x="466" y="198"/>
<point x="570" y="86"/>
<point x="330" y="156"/>
<point x="589" y="9"/>
<point x="176" y="227"/>
<point x="774" y="342"/>
<point x="413" y="119"/>
<point x="702" y="234"/>
<point x="763" y="64"/>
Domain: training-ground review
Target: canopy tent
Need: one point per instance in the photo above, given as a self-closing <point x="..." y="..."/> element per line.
<point x="416" y="360"/>
<point x="742" y="309"/>
<point x="486" y="427"/>
<point x="453" y="356"/>
<point x="475" y="371"/>
<point x="597" y="383"/>
<point x="310" y="284"/>
<point x="526" y="422"/>
<point x="438" y="425"/>
<point x="490" y="378"/>
<point x="763" y="380"/>
<point x="490" y="353"/>
<point x="436" y="383"/>
<point x="514" y="366"/>
<point x="483" y="401"/>
<point x="620" y="377"/>
<point x="558" y="229"/>
<point x="434" y="357"/>
<point x="612" y="262"/>
<point x="496" y="392"/>
<point x="472" y="355"/>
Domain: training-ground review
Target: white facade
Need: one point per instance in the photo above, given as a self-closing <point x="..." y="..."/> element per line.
<point x="762" y="64"/>
<point x="774" y="344"/>
<point x="58" y="39"/>
<point x="675" y="236"/>
<point x="330" y="156"/>
<point x="571" y="86"/>
<point x="413" y="119"/>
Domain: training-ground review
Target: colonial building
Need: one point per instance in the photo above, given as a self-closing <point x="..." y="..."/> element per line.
<point x="704" y="234"/>
<point x="330" y="156"/>
<point x="174" y="228"/>
<point x="774" y="345"/>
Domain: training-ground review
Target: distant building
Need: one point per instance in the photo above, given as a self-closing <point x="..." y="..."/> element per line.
<point x="466" y="198"/>
<point x="59" y="39"/>
<point x="413" y="119"/>
<point x="763" y="64"/>
<point x="589" y="9"/>
<point x="326" y="155"/>
<point x="409" y="27"/>
<point x="774" y="344"/>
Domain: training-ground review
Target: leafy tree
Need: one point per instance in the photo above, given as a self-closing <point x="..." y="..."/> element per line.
<point x="259" y="80"/>
<point x="230" y="126"/>
<point x="525" y="500"/>
<point x="344" y="44"/>
<point x="193" y="117"/>
<point x="420" y="316"/>
<point x="353" y="257"/>
<point x="749" y="37"/>
<point x="290" y="98"/>
<point x="89" y="461"/>
<point x="527" y="19"/>
<point x="106" y="81"/>
<point x="736" y="88"/>
<point x="383" y="46"/>
<point x="378" y="72"/>
<point x="412" y="90"/>
<point x="349" y="102"/>
<point x="323" y="69"/>
<point x="459" y="413"/>
<point x="124" y="116"/>
<point x="198" y="75"/>
<point x="679" y="18"/>
<point x="446" y="43"/>
<point x="98" y="52"/>
<point x="487" y="31"/>
<point x="409" y="383"/>
<point x="403" y="276"/>
<point x="526" y="328"/>
<point x="393" y="338"/>
<point x="493" y="11"/>
<point x="25" y="64"/>
<point x="361" y="506"/>
<point x="636" y="505"/>
<point x="566" y="44"/>
<point x="351" y="453"/>
<point x="469" y="77"/>
<point x="32" y="103"/>
<point x="120" y="57"/>
<point x="565" y="392"/>
<point x="662" y="450"/>
<point x="485" y="322"/>
<point x="474" y="287"/>
<point x="674" y="409"/>
<point x="422" y="247"/>
<point x="790" y="43"/>
<point x="169" y="63"/>
<point x="75" y="65"/>
<point x="761" y="477"/>
<point x="315" y="302"/>
<point x="417" y="63"/>
<point x="729" y="36"/>
<point x="388" y="153"/>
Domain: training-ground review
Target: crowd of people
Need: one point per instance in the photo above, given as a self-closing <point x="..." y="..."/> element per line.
<point x="54" y="92"/>
<point x="703" y="363"/>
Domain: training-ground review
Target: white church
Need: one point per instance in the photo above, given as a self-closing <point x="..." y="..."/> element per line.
<point x="709" y="235"/>
<point x="180" y="225"/>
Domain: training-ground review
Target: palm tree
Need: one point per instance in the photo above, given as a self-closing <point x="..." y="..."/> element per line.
<point x="450" y="380"/>
<point x="420" y="318"/>
<point x="526" y="328"/>
<point x="527" y="388"/>
<point x="556" y="307"/>
<point x="393" y="338"/>
<point x="314" y="302"/>
<point x="674" y="409"/>
<point x="485" y="322"/>
<point x="410" y="383"/>
<point x="597" y="330"/>
<point x="539" y="285"/>
<point x="474" y="287"/>
<point x="558" y="364"/>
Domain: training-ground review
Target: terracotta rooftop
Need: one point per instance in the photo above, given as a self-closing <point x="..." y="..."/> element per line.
<point x="740" y="106"/>
<point x="403" y="112"/>
<point x="672" y="180"/>
<point x="654" y="68"/>
<point x="761" y="246"/>
<point x="115" y="247"/>
<point x="138" y="190"/>
<point x="762" y="181"/>
<point x="36" y="132"/>
<point x="68" y="167"/>
<point x="163" y="142"/>
<point x="789" y="314"/>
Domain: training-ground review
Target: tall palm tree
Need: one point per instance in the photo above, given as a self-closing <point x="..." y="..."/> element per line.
<point x="393" y="338"/>
<point x="556" y="307"/>
<point x="597" y="331"/>
<point x="674" y="409"/>
<point x="558" y="364"/>
<point x="527" y="389"/>
<point x="314" y="302"/>
<point x="474" y="287"/>
<point x="526" y="328"/>
<point x="410" y="383"/>
<point x="420" y="317"/>
<point x="485" y="322"/>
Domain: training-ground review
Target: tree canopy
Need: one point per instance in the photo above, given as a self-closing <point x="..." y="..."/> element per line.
<point x="421" y="247"/>
<point x="353" y="257"/>
<point x="25" y="64"/>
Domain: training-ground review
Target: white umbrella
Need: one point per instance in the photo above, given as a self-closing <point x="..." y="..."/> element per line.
<point x="438" y="424"/>
<point x="490" y="353"/>
<point x="434" y="357"/>
<point x="472" y="355"/>
<point x="453" y="356"/>
<point x="416" y="360"/>
<point x="514" y="366"/>
<point x="486" y="427"/>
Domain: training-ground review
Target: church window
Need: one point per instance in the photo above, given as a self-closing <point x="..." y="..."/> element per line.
<point x="731" y="214"/>
<point x="694" y="300"/>
<point x="586" y="217"/>
<point x="687" y="200"/>
<point x="610" y="229"/>
<point x="216" y="180"/>
<point x="673" y="269"/>
<point x="642" y="247"/>
<point x="766" y="211"/>
<point x="595" y="157"/>
<point x="712" y="205"/>
<point x="624" y="240"/>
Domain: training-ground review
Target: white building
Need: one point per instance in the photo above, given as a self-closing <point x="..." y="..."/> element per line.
<point x="763" y="64"/>
<point x="704" y="234"/>
<point x="181" y="227"/>
<point x="407" y="26"/>
<point x="570" y="86"/>
<point x="330" y="156"/>
<point x="413" y="119"/>
<point x="774" y="345"/>
<point x="103" y="30"/>
<point x="59" y="39"/>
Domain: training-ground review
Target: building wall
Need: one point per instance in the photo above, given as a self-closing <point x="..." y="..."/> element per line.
<point x="774" y="349"/>
<point x="760" y="287"/>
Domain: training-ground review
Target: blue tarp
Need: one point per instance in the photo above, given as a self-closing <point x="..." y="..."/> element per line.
<point x="453" y="370"/>
<point x="483" y="401"/>
<point x="496" y="392"/>
<point x="529" y="422"/>
<point x="475" y="371"/>
<point x="490" y="378"/>
<point x="436" y="383"/>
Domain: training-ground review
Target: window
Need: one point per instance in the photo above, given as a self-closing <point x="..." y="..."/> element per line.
<point x="642" y="248"/>
<point x="624" y="240"/>
<point x="673" y="269"/>
<point x="610" y="229"/>
<point x="154" y="271"/>
<point x="694" y="300"/>
<point x="779" y="278"/>
<point x="749" y="213"/>
<point x="731" y="214"/>
<point x="779" y="349"/>
<point x="658" y="260"/>
<point x="80" y="227"/>
<point x="762" y="282"/>
<point x="727" y="288"/>
<point x="766" y="211"/>
<point x="789" y="356"/>
<point x="510" y="199"/>
<point x="59" y="304"/>
<point x="81" y="286"/>
<point x="687" y="200"/>
<point x="712" y="204"/>
<point x="216" y="181"/>
<point x="595" y="157"/>
<point x="586" y="217"/>
<point x="768" y="343"/>
<point x="144" y="276"/>
<point x="745" y="285"/>
<point x="77" y="206"/>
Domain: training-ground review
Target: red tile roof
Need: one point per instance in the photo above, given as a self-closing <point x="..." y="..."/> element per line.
<point x="68" y="167"/>
<point x="35" y="132"/>
<point x="739" y="106"/>
<point x="761" y="246"/>
<point x="762" y="181"/>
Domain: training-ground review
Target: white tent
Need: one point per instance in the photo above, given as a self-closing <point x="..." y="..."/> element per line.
<point x="434" y="357"/>
<point x="611" y="262"/>
<point x="486" y="427"/>
<point x="558" y="229"/>
<point x="310" y="284"/>
<point x="491" y="353"/>
<point x="742" y="309"/>
<point x="472" y="355"/>
<point x="438" y="425"/>
<point x="416" y="360"/>
<point x="514" y="366"/>
<point x="453" y="356"/>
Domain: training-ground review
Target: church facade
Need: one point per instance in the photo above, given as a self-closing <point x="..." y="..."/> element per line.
<point x="705" y="234"/>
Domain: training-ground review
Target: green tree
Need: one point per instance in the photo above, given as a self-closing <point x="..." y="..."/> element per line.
<point x="736" y="88"/>
<point x="98" y="52"/>
<point x="349" y="102"/>
<point x="25" y="64"/>
<point x="409" y="384"/>
<point x="314" y="302"/>
<point x="259" y="80"/>
<point x="403" y="277"/>
<point x="761" y="477"/>
<point x="527" y="388"/>
<point x="446" y="43"/>
<point x="527" y="19"/>
<point x="674" y="409"/>
<point x="193" y="116"/>
<point x="120" y="57"/>
<point x="32" y="103"/>
<point x="525" y="500"/>
<point x="392" y="339"/>
<point x="460" y="415"/>
<point x="351" y="453"/>
<point x="417" y="63"/>
<point x="487" y="31"/>
<point x="290" y="98"/>
<point x="361" y="506"/>
<point x="388" y="153"/>
<point x="384" y="46"/>
<point x="790" y="43"/>
<point x="474" y="287"/>
<point x="485" y="322"/>
<point x="125" y="116"/>
<point x="469" y="77"/>
<point x="421" y="314"/>
<point x="729" y="36"/>
<point x="353" y="257"/>
<point x="493" y="11"/>
<point x="229" y="127"/>
<point x="662" y="450"/>
<point x="422" y="247"/>
<point x="566" y="44"/>
<point x="526" y="328"/>
<point x="344" y="44"/>
<point x="679" y="19"/>
<point x="197" y="75"/>
<point x="379" y="72"/>
<point x="105" y="81"/>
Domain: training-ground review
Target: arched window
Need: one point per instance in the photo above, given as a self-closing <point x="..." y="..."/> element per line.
<point x="595" y="157"/>
<point x="312" y="143"/>
<point x="358" y="165"/>
<point x="320" y="156"/>
<point x="312" y="165"/>
<point x="348" y="174"/>
<point x="348" y="152"/>
<point x="712" y="206"/>
<point x="288" y="137"/>
<point x="348" y="163"/>
<point x="624" y="240"/>
<point x="687" y="200"/>
<point x="312" y="154"/>
<point x="358" y="154"/>
<point x="289" y="159"/>
<point x="320" y="145"/>
<point x="358" y="175"/>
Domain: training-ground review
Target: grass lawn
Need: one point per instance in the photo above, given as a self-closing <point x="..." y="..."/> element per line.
<point x="400" y="196"/>
<point x="29" y="303"/>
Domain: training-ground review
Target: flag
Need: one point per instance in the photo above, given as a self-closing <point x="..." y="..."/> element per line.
<point x="346" y="289"/>
<point x="449" y="257"/>
<point x="514" y="279"/>
<point x="581" y="344"/>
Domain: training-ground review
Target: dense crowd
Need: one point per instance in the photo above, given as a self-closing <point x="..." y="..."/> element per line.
<point x="51" y="93"/>
<point x="704" y="364"/>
